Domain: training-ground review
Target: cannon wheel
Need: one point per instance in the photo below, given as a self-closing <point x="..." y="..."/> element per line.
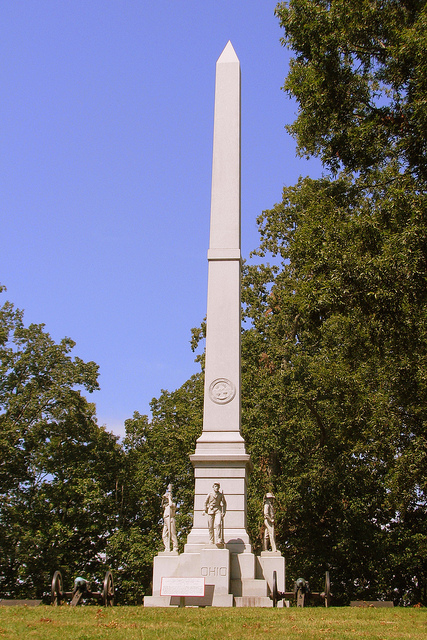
<point x="275" y="592"/>
<point x="108" y="590"/>
<point x="327" y="590"/>
<point x="57" y="589"/>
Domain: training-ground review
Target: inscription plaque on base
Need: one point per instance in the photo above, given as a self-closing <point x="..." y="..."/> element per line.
<point x="182" y="587"/>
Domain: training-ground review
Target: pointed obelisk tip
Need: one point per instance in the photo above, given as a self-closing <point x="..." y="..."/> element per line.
<point x="228" y="54"/>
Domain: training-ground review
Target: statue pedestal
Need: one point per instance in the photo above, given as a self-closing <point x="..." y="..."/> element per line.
<point x="231" y="579"/>
<point x="212" y="564"/>
<point x="268" y="562"/>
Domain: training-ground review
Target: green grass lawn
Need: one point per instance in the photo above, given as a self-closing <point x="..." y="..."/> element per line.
<point x="120" y="623"/>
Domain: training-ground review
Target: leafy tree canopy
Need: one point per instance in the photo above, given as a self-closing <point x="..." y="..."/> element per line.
<point x="58" y="469"/>
<point x="360" y="78"/>
<point x="336" y="357"/>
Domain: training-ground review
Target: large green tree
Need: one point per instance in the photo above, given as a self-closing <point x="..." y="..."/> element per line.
<point x="58" y="468"/>
<point x="337" y="355"/>
<point x="360" y="77"/>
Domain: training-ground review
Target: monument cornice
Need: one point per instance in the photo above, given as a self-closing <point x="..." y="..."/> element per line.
<point x="224" y="254"/>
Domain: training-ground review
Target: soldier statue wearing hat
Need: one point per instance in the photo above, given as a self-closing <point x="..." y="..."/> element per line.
<point x="269" y="522"/>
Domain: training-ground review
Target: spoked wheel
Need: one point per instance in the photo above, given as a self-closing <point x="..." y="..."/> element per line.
<point x="275" y="593"/>
<point x="327" y="590"/>
<point x="57" y="589"/>
<point x="108" y="590"/>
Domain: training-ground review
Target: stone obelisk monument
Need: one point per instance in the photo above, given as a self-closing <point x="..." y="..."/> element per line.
<point x="232" y="574"/>
<point x="220" y="451"/>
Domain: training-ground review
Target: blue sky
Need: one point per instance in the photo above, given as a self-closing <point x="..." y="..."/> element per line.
<point x="106" y="118"/>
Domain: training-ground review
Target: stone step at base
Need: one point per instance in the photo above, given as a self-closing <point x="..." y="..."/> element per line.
<point x="253" y="601"/>
<point x="210" y="600"/>
<point x="249" y="587"/>
<point x="159" y="601"/>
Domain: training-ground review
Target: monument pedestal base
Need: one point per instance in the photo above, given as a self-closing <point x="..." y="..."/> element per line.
<point x="231" y="579"/>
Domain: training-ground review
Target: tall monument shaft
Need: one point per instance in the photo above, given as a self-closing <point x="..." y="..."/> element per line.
<point x="222" y="365"/>
<point x="220" y="451"/>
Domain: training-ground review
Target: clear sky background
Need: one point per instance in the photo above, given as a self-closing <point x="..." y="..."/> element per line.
<point x="106" y="124"/>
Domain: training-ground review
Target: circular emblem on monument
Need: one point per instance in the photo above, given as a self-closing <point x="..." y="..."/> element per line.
<point x="222" y="391"/>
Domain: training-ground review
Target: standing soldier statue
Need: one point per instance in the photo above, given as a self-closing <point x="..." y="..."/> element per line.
<point x="215" y="508"/>
<point x="269" y="533"/>
<point x="169" y="524"/>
